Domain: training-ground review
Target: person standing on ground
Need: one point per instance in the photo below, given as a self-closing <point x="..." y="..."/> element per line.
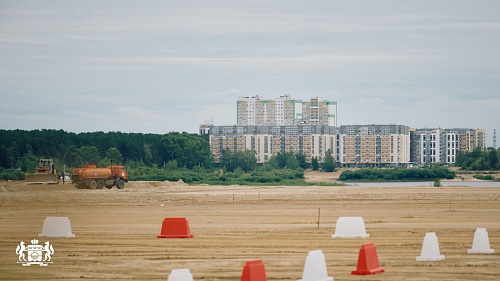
<point x="62" y="176"/>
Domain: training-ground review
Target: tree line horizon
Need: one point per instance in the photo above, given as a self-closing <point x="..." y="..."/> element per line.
<point x="21" y="149"/>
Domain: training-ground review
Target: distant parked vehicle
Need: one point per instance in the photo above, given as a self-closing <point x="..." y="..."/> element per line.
<point x="91" y="177"/>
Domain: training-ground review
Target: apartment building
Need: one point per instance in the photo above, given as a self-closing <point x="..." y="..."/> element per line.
<point x="288" y="125"/>
<point x="320" y="112"/>
<point x="204" y="128"/>
<point x="278" y="112"/>
<point x="441" y="146"/>
<point x="351" y="145"/>
<point x="470" y="139"/>
<point x="311" y="140"/>
<point x="285" y="111"/>
<point x="373" y="146"/>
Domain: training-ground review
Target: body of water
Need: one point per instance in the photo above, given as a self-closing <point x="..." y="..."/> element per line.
<point x="426" y="183"/>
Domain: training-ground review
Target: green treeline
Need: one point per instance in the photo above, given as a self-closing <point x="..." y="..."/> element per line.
<point x="74" y="150"/>
<point x="479" y="159"/>
<point x="10" y="174"/>
<point x="182" y="156"/>
<point x="20" y="150"/>
<point x="262" y="175"/>
<point x="172" y="156"/>
<point x="397" y="174"/>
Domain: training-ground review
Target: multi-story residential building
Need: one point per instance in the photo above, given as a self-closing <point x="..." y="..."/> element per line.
<point x="430" y="146"/>
<point x="351" y="146"/>
<point x="441" y="146"/>
<point x="204" y="128"/>
<point x="320" y="112"/>
<point x="278" y="112"/>
<point x="373" y="146"/>
<point x="470" y="139"/>
<point x="311" y="140"/>
<point x="287" y="125"/>
<point x="285" y="111"/>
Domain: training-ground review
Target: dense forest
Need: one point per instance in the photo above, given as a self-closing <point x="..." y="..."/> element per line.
<point x="74" y="150"/>
<point x="20" y="150"/>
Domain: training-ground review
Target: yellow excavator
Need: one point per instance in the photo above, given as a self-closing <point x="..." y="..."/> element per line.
<point x="44" y="173"/>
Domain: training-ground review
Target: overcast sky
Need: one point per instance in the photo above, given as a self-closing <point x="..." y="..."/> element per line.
<point x="162" y="66"/>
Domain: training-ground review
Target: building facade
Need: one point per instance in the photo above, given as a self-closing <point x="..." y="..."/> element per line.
<point x="268" y="127"/>
<point x="204" y="128"/>
<point x="283" y="111"/>
<point x="374" y="146"/>
<point x="266" y="141"/>
<point x="351" y="146"/>
<point x="441" y="146"/>
<point x="319" y="112"/>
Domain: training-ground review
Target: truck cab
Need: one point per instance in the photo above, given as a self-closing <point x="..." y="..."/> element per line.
<point x="119" y="171"/>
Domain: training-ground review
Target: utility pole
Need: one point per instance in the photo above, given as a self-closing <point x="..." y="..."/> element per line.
<point x="494" y="138"/>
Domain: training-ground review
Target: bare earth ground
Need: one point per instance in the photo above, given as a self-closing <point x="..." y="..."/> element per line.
<point x="116" y="230"/>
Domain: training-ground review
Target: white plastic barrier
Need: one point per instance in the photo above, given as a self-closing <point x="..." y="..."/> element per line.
<point x="350" y="227"/>
<point x="315" y="267"/>
<point x="56" y="227"/>
<point x="430" y="248"/>
<point x="481" y="243"/>
<point x="182" y="274"/>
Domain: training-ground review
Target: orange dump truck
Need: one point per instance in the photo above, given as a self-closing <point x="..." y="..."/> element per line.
<point x="89" y="176"/>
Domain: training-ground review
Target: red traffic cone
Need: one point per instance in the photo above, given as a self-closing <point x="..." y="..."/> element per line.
<point x="175" y="228"/>
<point x="368" y="261"/>
<point x="254" y="270"/>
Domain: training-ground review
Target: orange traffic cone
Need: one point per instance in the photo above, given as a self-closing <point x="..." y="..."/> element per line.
<point x="175" y="228"/>
<point x="367" y="261"/>
<point x="254" y="270"/>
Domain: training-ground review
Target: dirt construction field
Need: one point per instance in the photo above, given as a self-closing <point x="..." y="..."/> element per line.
<point x="115" y="230"/>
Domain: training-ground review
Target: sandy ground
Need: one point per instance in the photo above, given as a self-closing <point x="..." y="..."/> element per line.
<point x="116" y="230"/>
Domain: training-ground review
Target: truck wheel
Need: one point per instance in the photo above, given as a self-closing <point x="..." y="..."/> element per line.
<point x="108" y="186"/>
<point x="100" y="184"/>
<point x="93" y="184"/>
<point x="120" y="184"/>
